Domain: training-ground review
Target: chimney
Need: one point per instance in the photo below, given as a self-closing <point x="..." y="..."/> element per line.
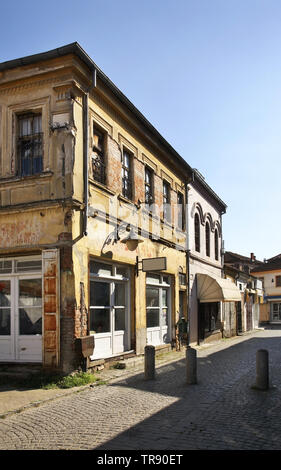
<point x="253" y="258"/>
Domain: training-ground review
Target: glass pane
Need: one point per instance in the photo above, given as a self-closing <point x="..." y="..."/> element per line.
<point x="164" y="321"/>
<point x="166" y="280"/>
<point x="30" y="292"/>
<point x="100" y="320"/>
<point x="164" y="298"/>
<point x="119" y="295"/>
<point x="152" y="297"/>
<point x="5" y="267"/>
<point x="37" y="127"/>
<point x="152" y="318"/>
<point x="30" y="321"/>
<point x="153" y="278"/>
<point x="28" y="266"/>
<point x="100" y="294"/>
<point x="121" y="272"/>
<point x="5" y="294"/>
<point x="181" y="303"/>
<point x="100" y="269"/>
<point x="5" y="328"/>
<point x="119" y="319"/>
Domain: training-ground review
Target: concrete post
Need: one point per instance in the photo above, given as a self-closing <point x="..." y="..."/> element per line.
<point x="149" y="362"/>
<point x="191" y="366"/>
<point x="262" y="375"/>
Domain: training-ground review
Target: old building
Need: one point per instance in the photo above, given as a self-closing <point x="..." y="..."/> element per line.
<point x="269" y="274"/>
<point x="209" y="292"/>
<point x="92" y="216"/>
<point x="245" y="314"/>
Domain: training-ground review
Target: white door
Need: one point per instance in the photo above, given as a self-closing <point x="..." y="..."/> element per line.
<point x="21" y="319"/>
<point x="158" y="311"/>
<point x="109" y="310"/>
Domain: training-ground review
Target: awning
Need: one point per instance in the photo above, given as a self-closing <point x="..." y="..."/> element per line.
<point x="216" y="289"/>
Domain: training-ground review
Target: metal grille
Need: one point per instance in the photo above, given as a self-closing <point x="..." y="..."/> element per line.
<point x="127" y="186"/>
<point x="98" y="166"/>
<point x="30" y="144"/>
<point x="98" y="157"/>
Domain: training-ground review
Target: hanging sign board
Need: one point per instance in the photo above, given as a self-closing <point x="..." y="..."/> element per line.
<point x="154" y="264"/>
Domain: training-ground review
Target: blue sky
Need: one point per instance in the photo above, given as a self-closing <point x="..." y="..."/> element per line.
<point x="206" y="73"/>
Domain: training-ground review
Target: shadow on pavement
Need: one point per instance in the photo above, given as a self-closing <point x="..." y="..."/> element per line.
<point x="222" y="411"/>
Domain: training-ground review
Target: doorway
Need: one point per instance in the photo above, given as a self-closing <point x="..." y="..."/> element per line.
<point x="21" y="313"/>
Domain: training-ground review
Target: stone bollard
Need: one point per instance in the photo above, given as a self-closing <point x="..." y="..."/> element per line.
<point x="191" y="366"/>
<point x="262" y="375"/>
<point x="149" y="362"/>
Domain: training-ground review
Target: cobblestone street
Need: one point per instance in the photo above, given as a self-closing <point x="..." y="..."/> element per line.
<point x="221" y="412"/>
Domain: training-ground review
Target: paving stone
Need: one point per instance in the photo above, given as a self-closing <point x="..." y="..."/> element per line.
<point x="222" y="411"/>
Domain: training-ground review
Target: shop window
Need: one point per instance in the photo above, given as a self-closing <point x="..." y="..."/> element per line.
<point x="276" y="311"/>
<point x="30" y="306"/>
<point x="98" y="156"/>
<point x="5" y="308"/>
<point x="127" y="177"/>
<point x="197" y="232"/>
<point x="108" y="297"/>
<point x="157" y="303"/>
<point x="30" y="144"/>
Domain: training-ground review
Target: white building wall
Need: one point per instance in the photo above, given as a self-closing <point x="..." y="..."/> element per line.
<point x="203" y="264"/>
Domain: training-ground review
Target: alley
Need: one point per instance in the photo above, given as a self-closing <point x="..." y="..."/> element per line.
<point x="221" y="412"/>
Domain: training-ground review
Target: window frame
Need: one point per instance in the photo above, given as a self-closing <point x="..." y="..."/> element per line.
<point x="150" y="185"/>
<point x="197" y="238"/>
<point x="207" y="239"/>
<point x="167" y="216"/>
<point x="31" y="140"/>
<point x="180" y="212"/>
<point x="101" y="155"/>
<point x="130" y="181"/>
<point x="216" y="242"/>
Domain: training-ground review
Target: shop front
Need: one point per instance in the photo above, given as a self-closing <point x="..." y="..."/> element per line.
<point x="212" y="293"/>
<point x="109" y="308"/>
<point x="21" y="310"/>
<point x="158" y="309"/>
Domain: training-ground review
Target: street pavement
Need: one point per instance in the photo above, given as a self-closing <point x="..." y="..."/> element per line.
<point x="221" y="412"/>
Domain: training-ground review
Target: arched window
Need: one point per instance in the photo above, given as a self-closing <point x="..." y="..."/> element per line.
<point x="216" y="245"/>
<point x="197" y="232"/>
<point x="207" y="229"/>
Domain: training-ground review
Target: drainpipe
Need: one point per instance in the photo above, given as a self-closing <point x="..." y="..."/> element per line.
<point x="85" y="159"/>
<point x="86" y="153"/>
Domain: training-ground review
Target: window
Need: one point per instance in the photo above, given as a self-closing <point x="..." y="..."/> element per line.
<point x="127" y="175"/>
<point x="98" y="157"/>
<point x="278" y="281"/>
<point x="207" y="230"/>
<point x="108" y="297"/>
<point x="166" y="201"/>
<point x="30" y="144"/>
<point x="197" y="232"/>
<point x="216" y="245"/>
<point x="158" y="308"/>
<point x="180" y="221"/>
<point x="182" y="279"/>
<point x="149" y="196"/>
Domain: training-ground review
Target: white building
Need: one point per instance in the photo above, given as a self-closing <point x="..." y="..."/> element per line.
<point x="208" y="289"/>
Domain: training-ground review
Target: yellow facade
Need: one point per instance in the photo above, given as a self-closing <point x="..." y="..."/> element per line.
<point x="61" y="215"/>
